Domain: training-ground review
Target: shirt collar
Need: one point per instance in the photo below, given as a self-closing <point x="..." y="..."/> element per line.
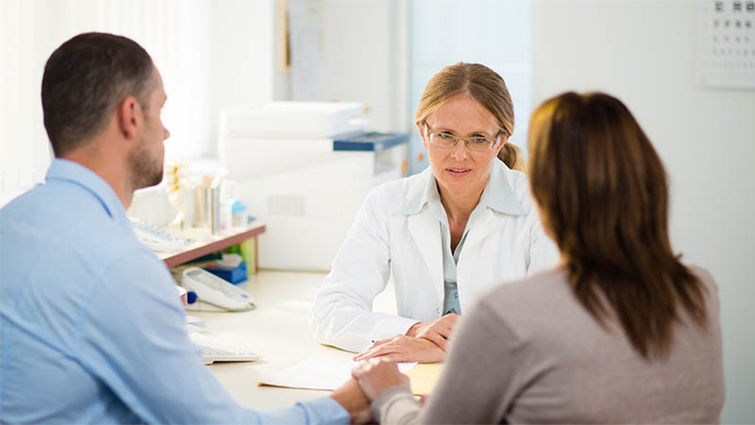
<point x="497" y="195"/>
<point x="65" y="170"/>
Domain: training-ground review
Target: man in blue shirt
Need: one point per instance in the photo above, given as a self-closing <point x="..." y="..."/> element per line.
<point x="91" y="328"/>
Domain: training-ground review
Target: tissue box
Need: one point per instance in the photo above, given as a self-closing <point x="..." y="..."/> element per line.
<point x="234" y="275"/>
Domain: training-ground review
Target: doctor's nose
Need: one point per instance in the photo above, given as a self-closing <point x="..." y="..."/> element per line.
<point x="459" y="150"/>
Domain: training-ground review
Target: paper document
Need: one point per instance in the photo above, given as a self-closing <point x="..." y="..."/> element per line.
<point x="424" y="377"/>
<point x="318" y="374"/>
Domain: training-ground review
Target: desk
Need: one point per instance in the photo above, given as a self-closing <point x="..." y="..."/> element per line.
<point x="278" y="329"/>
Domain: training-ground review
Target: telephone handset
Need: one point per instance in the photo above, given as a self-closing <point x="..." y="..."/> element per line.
<point x="216" y="291"/>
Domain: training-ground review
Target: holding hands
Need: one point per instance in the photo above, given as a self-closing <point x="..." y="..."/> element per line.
<point x="353" y="399"/>
<point x="377" y="374"/>
<point x="370" y="378"/>
<point x="424" y="342"/>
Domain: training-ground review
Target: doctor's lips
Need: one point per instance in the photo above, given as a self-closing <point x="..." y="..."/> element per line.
<point x="459" y="171"/>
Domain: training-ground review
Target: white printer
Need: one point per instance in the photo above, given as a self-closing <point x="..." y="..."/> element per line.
<point x="304" y="168"/>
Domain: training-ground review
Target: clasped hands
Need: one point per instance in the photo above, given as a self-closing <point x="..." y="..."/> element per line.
<point x="370" y="379"/>
<point x="424" y="342"/>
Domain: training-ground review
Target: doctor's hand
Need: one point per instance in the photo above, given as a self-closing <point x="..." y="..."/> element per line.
<point x="437" y="330"/>
<point x="402" y="348"/>
<point x="375" y="375"/>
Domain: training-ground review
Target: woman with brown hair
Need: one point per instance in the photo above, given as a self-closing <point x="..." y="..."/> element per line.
<point x="621" y="331"/>
<point x="443" y="235"/>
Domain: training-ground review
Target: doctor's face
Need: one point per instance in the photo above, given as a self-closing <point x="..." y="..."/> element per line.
<point x="462" y="170"/>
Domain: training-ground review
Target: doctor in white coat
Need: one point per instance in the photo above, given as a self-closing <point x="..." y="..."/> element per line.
<point x="465" y="223"/>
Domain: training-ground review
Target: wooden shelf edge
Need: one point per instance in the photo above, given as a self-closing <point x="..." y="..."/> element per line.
<point x="184" y="256"/>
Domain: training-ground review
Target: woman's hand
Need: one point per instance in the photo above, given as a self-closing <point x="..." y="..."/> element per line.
<point x="402" y="348"/>
<point x="376" y="374"/>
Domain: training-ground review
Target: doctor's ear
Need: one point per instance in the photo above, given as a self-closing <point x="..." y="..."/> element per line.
<point x="501" y="140"/>
<point x="422" y="127"/>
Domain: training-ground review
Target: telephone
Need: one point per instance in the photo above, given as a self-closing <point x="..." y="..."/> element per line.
<point x="216" y="291"/>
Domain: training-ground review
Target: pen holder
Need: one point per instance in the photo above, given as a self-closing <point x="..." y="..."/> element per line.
<point x="207" y="209"/>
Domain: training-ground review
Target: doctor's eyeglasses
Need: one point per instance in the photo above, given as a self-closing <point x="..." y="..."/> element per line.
<point x="448" y="140"/>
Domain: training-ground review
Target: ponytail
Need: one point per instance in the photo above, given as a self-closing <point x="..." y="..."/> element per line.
<point x="511" y="155"/>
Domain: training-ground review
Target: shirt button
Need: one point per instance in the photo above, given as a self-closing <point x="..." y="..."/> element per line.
<point x="437" y="311"/>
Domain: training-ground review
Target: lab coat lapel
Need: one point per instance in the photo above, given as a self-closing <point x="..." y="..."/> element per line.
<point x="475" y="262"/>
<point x="486" y="225"/>
<point x="425" y="230"/>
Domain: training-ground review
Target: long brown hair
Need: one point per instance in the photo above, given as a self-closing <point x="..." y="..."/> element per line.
<point x="603" y="196"/>
<point x="486" y="87"/>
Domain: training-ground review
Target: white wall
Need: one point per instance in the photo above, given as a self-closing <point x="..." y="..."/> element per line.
<point x="644" y="53"/>
<point x="364" y="56"/>
<point x="349" y="50"/>
<point x="210" y="54"/>
<point x="32" y="29"/>
<point x="241" y="58"/>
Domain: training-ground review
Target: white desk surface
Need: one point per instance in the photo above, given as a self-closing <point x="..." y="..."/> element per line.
<point x="278" y="329"/>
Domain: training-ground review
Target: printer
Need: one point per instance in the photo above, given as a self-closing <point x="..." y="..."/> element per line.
<point x="304" y="168"/>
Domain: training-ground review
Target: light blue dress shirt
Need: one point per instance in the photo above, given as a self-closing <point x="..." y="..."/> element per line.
<point x="91" y="328"/>
<point x="496" y="195"/>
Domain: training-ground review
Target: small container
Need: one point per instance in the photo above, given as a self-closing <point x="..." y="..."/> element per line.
<point x="238" y="213"/>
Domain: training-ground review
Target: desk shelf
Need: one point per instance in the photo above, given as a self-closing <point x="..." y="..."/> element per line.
<point x="211" y="243"/>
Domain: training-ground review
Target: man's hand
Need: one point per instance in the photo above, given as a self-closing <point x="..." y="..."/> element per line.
<point x="437" y="330"/>
<point x="375" y="375"/>
<point x="402" y="348"/>
<point x="351" y="398"/>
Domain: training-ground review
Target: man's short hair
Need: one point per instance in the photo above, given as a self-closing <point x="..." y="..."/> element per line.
<point x="85" y="79"/>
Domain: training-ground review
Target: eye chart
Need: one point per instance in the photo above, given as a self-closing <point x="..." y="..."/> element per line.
<point x="726" y="44"/>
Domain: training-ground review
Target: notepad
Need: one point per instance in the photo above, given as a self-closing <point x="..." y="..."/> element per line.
<point x="424" y="377"/>
<point x="327" y="374"/>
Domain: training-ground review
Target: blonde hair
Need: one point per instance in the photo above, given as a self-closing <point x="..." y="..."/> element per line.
<point x="486" y="87"/>
<point x="511" y="155"/>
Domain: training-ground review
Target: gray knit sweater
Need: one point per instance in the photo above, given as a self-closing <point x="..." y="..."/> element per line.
<point x="528" y="352"/>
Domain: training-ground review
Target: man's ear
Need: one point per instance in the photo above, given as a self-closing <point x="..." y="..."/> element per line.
<point x="129" y="115"/>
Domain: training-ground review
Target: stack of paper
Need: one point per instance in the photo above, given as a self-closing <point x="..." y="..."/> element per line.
<point x="327" y="374"/>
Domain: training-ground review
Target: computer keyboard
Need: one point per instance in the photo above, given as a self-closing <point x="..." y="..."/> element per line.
<point x="214" y="350"/>
<point x="157" y="238"/>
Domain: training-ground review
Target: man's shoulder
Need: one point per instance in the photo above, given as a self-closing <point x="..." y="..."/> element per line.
<point x="70" y="219"/>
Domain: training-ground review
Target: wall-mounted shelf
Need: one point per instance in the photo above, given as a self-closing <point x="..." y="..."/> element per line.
<point x="207" y="243"/>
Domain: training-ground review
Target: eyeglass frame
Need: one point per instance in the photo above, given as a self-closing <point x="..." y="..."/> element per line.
<point x="456" y="138"/>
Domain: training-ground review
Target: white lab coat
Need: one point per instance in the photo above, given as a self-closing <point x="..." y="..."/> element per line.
<point x="386" y="239"/>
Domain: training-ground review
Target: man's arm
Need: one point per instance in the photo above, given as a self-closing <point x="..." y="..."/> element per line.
<point x="133" y="338"/>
